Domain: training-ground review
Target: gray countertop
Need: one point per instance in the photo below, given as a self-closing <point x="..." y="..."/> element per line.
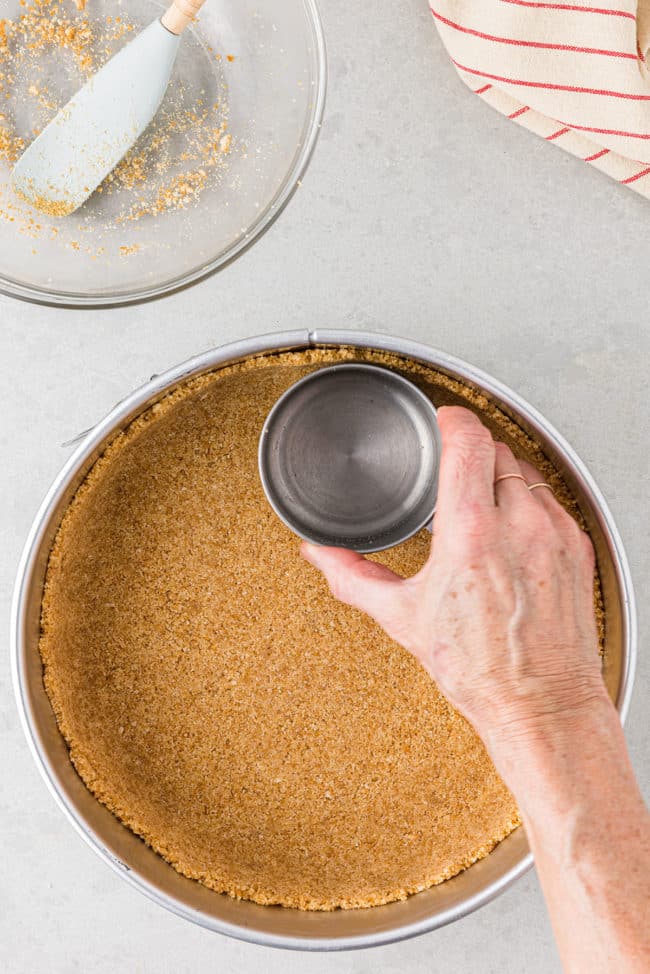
<point x="423" y="214"/>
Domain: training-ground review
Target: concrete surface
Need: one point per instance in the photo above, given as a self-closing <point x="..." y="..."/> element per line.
<point x="423" y="214"/>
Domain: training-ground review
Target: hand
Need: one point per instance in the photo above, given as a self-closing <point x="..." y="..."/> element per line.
<point x="502" y="614"/>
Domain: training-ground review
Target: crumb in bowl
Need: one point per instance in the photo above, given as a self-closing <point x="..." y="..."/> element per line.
<point x="47" y="206"/>
<point x="49" y="50"/>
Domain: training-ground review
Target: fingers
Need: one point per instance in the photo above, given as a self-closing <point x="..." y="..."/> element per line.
<point x="512" y="487"/>
<point x="542" y="495"/>
<point x="566" y="524"/>
<point x="521" y="475"/>
<point x="363" y="584"/>
<point x="466" y="480"/>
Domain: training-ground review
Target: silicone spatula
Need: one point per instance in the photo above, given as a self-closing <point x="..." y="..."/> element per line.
<point x="75" y="152"/>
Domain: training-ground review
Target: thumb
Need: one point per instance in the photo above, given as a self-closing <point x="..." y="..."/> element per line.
<point x="365" y="585"/>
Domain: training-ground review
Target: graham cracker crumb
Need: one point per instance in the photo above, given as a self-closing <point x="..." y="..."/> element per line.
<point x="126" y="251"/>
<point x="264" y="739"/>
<point x="47" y="206"/>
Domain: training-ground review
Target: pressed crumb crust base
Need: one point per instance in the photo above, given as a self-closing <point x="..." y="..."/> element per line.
<point x="264" y="739"/>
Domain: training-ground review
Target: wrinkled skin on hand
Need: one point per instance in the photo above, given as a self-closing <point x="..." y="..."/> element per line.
<point x="502" y="614"/>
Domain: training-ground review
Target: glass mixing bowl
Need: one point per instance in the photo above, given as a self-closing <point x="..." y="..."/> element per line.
<point x="223" y="157"/>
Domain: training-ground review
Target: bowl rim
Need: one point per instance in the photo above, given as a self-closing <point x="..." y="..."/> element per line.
<point x="150" y="392"/>
<point x="264" y="445"/>
<point x="73" y="300"/>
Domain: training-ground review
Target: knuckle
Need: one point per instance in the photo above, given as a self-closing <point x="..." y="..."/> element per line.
<point x="503" y="451"/>
<point x="572" y="532"/>
<point x="470" y="436"/>
<point x="538" y="524"/>
<point x="470" y="456"/>
<point x="478" y="436"/>
<point x="566" y="525"/>
<point x="370" y="570"/>
<point x="575" y="533"/>
<point x="541" y="540"/>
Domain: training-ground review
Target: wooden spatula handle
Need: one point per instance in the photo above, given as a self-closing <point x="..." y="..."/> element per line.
<point x="178" y="16"/>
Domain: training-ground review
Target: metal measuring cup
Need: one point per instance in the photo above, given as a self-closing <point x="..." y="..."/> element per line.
<point x="349" y="456"/>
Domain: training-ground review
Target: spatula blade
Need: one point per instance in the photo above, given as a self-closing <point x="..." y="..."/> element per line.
<point x="87" y="138"/>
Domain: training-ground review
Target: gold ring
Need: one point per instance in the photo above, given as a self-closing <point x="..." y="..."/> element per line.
<point x="509" y="476"/>
<point x="540" y="484"/>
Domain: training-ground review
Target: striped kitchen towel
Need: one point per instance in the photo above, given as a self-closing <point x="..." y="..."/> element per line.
<point x="573" y="73"/>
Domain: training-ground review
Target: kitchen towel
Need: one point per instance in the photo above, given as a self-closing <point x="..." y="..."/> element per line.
<point x="573" y="73"/>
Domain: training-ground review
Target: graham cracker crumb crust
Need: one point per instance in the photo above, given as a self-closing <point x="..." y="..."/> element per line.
<point x="264" y="739"/>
